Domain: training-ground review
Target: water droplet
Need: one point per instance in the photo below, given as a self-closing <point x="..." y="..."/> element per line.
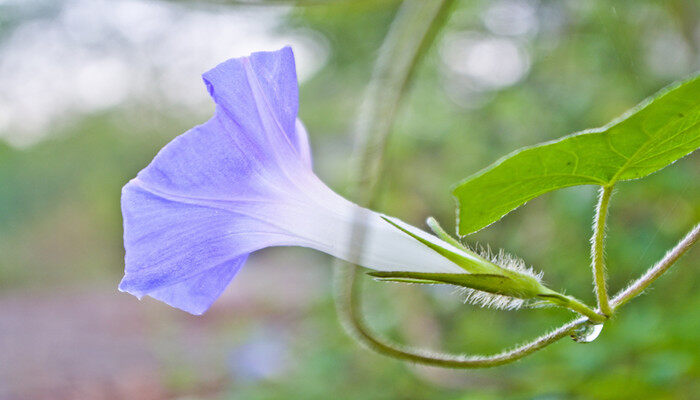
<point x="587" y="332"/>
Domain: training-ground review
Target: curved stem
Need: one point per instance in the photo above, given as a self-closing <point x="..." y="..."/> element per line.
<point x="347" y="298"/>
<point x="653" y="273"/>
<point x="409" y="36"/>
<point x="411" y="33"/>
<point x="348" y="301"/>
<point x="598" y="250"/>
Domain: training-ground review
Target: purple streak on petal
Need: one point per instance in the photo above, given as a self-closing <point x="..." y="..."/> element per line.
<point x="259" y="95"/>
<point x="242" y="145"/>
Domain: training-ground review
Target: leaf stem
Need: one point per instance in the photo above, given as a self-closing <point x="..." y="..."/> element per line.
<point x="637" y="287"/>
<point x="598" y="250"/>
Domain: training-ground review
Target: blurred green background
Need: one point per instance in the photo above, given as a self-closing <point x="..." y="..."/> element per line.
<point x="90" y="90"/>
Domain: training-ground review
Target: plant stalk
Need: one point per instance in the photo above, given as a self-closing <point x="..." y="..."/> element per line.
<point x="348" y="286"/>
<point x="638" y="286"/>
<point x="411" y="33"/>
<point x="598" y="250"/>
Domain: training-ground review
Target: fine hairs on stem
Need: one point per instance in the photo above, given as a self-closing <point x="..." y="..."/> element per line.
<point x="411" y="33"/>
<point x="636" y="288"/>
<point x="349" y="306"/>
<point x="348" y="303"/>
<point x="598" y="250"/>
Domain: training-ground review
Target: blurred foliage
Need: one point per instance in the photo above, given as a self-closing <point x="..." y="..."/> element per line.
<point x="60" y="224"/>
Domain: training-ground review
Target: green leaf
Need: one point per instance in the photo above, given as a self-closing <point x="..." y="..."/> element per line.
<point x="652" y="135"/>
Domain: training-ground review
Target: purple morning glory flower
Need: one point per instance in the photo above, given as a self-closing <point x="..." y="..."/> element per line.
<point x="243" y="181"/>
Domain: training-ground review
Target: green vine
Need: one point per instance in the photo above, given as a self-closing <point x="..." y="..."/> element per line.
<point x="411" y="33"/>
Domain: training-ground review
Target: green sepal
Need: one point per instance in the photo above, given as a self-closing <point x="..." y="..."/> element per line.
<point x="469" y="261"/>
<point x="555" y="298"/>
<point x="442" y="234"/>
<point x="492" y="283"/>
<point x="481" y="274"/>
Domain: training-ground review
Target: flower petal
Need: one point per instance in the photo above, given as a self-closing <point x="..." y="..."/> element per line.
<point x="210" y="163"/>
<point x="214" y="194"/>
<point x="170" y="240"/>
<point x="253" y="143"/>
<point x="259" y="94"/>
<point x="197" y="294"/>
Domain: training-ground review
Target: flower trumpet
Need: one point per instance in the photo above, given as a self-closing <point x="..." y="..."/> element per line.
<point x="243" y="181"/>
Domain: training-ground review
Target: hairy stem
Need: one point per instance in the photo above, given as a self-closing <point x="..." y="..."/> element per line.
<point x="653" y="273"/>
<point x="347" y="299"/>
<point x="598" y="250"/>
<point x="409" y="36"/>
